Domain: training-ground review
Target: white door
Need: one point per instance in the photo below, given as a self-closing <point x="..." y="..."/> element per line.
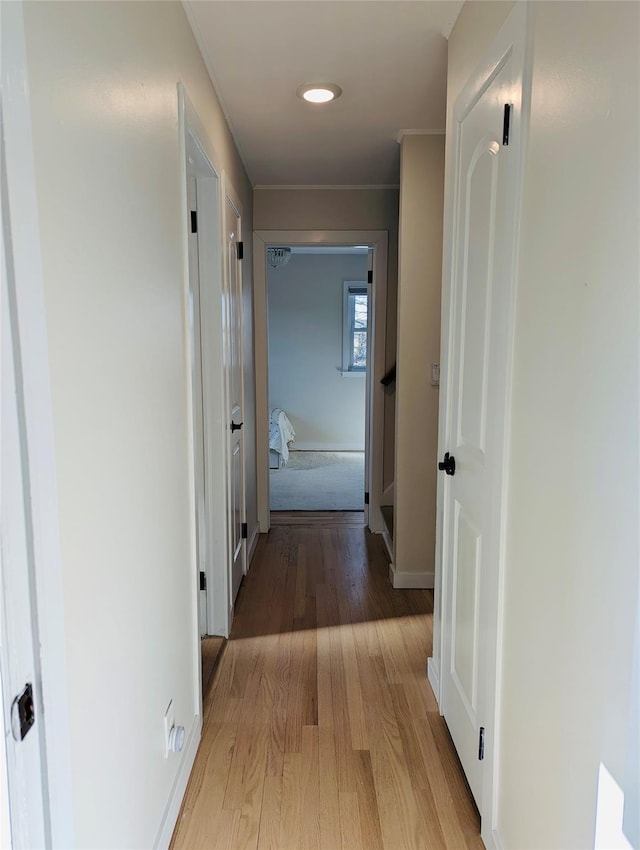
<point x="235" y="397"/>
<point x="195" y="342"/>
<point x="482" y="269"/>
<point x="23" y="727"/>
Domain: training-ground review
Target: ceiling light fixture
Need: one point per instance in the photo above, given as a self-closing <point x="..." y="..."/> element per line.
<point x="278" y="256"/>
<point x="319" y="92"/>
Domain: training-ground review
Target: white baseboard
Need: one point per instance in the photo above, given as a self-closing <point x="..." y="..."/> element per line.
<point x="492" y="840"/>
<point x="405" y="581"/>
<point x="433" y="675"/>
<point x="172" y="809"/>
<point x="327" y="447"/>
<point x="253" y="543"/>
<point x="388" y="543"/>
<point x="388" y="495"/>
<point x="376" y="523"/>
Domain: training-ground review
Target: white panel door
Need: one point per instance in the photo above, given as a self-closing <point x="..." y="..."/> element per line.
<point x="19" y="651"/>
<point x="235" y="398"/>
<point x="483" y="240"/>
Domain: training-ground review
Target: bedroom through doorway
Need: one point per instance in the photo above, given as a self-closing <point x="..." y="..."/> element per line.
<point x="319" y="305"/>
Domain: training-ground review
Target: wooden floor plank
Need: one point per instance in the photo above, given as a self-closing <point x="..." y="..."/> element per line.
<point x="367" y="803"/>
<point x="211" y="648"/>
<point x="321" y="731"/>
<point x="323" y="658"/>
<point x="328" y="790"/>
<point x="314" y="519"/>
<point x="350" y="822"/>
<point x="270" y="813"/>
<point x="355" y="708"/>
<point x="278" y="723"/>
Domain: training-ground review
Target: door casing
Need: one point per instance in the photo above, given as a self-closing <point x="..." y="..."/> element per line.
<point x="21" y="237"/>
<point x="197" y="387"/>
<point x="233" y="211"/>
<point x="378" y="241"/>
<point x="200" y="161"/>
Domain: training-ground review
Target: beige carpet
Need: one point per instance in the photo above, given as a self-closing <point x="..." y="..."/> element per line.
<point x="319" y="481"/>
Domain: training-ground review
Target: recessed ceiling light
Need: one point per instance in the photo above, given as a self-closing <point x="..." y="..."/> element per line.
<point x="319" y="92"/>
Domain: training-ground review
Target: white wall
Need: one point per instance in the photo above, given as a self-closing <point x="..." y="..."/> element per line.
<point x="419" y="287"/>
<point x="572" y="539"/>
<point x="305" y="300"/>
<point x="365" y="208"/>
<point x="103" y="82"/>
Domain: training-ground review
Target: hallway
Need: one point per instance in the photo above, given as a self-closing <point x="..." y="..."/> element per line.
<point x="320" y="729"/>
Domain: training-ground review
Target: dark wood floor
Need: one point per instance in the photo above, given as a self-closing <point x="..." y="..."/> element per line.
<point x="321" y="730"/>
<point x="319" y="519"/>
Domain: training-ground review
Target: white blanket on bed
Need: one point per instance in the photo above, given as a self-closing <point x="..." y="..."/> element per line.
<point x="281" y="433"/>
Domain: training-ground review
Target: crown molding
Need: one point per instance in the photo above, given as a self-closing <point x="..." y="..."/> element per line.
<point x="403" y="133"/>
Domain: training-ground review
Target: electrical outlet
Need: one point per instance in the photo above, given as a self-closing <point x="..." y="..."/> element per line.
<point x="169" y="723"/>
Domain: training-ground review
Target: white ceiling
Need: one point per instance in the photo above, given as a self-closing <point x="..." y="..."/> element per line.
<point x="389" y="57"/>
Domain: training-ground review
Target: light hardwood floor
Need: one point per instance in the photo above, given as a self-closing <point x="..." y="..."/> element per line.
<point x="211" y="650"/>
<point x="321" y="731"/>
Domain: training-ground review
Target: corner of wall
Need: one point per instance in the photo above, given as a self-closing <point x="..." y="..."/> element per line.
<point x="410" y="581"/>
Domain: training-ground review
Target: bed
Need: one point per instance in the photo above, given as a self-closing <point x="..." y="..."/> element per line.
<point x="281" y="436"/>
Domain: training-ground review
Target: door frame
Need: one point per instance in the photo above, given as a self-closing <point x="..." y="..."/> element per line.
<point x="378" y="241"/>
<point x="200" y="160"/>
<point x="22" y="240"/>
<point x="230" y="197"/>
<point x="514" y="38"/>
<point x="195" y="166"/>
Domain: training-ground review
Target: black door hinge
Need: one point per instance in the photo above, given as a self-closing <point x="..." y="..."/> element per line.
<point x="481" y="744"/>
<point x="240" y="250"/>
<point x="245" y="531"/>
<point x="505" y="124"/>
<point x="203" y="581"/>
<point x="23" y="713"/>
<point x="366" y="498"/>
<point x="194" y="221"/>
<point x="370" y="276"/>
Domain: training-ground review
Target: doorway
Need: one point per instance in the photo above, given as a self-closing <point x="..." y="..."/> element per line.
<point x="213" y="329"/>
<point x="374" y="243"/>
<point x="232" y="337"/>
<point x="318" y="320"/>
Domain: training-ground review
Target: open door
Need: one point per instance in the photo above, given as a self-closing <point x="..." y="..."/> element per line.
<point x="488" y="139"/>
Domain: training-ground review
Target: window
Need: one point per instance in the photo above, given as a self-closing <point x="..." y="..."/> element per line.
<point x="355" y="323"/>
